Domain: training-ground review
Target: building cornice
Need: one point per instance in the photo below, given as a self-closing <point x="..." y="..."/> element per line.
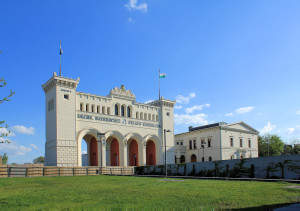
<point x="60" y="81"/>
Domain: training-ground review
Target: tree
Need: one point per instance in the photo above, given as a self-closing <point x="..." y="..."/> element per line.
<point x="270" y="145"/>
<point x="38" y="160"/>
<point x="4" y="159"/>
<point x="2" y="126"/>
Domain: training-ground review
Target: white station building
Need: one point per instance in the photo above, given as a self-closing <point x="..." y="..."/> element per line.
<point x="118" y="130"/>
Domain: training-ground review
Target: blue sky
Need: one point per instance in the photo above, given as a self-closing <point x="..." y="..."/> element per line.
<point x="225" y="60"/>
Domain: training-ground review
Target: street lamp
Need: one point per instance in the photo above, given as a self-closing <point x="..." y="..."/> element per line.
<point x="102" y="138"/>
<point x="202" y="145"/>
<point x="166" y="131"/>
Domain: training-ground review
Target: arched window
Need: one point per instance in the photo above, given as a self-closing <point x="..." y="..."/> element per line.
<point x="116" y="110"/>
<point x="182" y="159"/>
<point x="153" y="117"/>
<point x="145" y="116"/>
<point x="210" y="158"/>
<point x="122" y="111"/>
<point x="103" y="109"/>
<point x="193" y="158"/>
<point x="128" y="112"/>
<point x="149" y="117"/>
<point x="141" y="115"/>
<point x="137" y="115"/>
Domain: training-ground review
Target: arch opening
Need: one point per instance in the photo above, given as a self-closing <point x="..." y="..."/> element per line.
<point x="150" y="153"/>
<point x="133" y="153"/>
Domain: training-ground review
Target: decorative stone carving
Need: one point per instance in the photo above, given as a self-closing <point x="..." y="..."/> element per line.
<point x="122" y="92"/>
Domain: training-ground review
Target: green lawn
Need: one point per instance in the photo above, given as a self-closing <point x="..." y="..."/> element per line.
<point x="94" y="192"/>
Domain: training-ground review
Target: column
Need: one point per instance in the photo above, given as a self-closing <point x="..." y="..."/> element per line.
<point x="103" y="152"/>
<point x="99" y="150"/>
<point x="144" y="153"/>
<point x="125" y="159"/>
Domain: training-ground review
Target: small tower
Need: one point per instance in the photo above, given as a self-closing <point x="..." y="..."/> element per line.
<point x="166" y="121"/>
<point x="60" y="121"/>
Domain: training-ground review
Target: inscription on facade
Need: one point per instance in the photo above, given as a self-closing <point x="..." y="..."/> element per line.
<point x="116" y="120"/>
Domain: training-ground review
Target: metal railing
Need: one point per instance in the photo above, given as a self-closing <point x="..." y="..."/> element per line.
<point x="51" y="171"/>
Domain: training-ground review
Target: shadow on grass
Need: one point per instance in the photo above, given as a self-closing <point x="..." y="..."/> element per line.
<point x="267" y="207"/>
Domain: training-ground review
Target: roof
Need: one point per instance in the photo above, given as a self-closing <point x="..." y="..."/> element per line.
<point x="207" y="126"/>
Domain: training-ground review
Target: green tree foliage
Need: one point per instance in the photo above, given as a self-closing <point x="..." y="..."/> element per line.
<point x="4" y="159"/>
<point x="270" y="145"/>
<point x="38" y="160"/>
<point x="5" y="134"/>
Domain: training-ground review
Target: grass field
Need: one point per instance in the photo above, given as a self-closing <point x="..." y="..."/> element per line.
<point x="95" y="192"/>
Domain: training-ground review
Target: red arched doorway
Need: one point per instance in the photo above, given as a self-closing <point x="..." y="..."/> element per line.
<point x="93" y="152"/>
<point x="114" y="153"/>
<point x="150" y="153"/>
<point x="133" y="153"/>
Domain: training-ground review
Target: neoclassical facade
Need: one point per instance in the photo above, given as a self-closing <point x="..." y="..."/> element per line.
<point x="118" y="130"/>
<point x="218" y="141"/>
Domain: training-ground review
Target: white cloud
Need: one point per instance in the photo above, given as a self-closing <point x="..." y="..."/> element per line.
<point x="294" y="131"/>
<point x="229" y="114"/>
<point x="148" y="101"/>
<point x="13" y="149"/>
<point x="298" y="112"/>
<point x="185" y="119"/>
<point x="6" y="131"/>
<point x="244" y="110"/>
<point x="84" y="152"/>
<point x="185" y="100"/>
<point x="196" y="108"/>
<point x="23" y="129"/>
<point x="178" y="107"/>
<point x="133" y="5"/>
<point x="130" y="20"/>
<point x="33" y="146"/>
<point x="268" y="128"/>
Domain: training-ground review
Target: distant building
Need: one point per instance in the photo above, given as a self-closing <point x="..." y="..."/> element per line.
<point x="219" y="141"/>
<point x="84" y="158"/>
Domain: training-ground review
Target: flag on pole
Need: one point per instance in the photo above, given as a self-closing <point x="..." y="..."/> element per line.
<point x="60" y="51"/>
<point x="162" y="75"/>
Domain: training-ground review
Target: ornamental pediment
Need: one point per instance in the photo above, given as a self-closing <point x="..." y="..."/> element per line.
<point x="122" y="93"/>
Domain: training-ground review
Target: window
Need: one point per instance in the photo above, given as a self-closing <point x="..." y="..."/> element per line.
<point x="66" y="97"/>
<point x="149" y="117"/>
<point x="241" y="142"/>
<point x="157" y="118"/>
<point x="87" y="107"/>
<point x="168" y="114"/>
<point x="231" y="157"/>
<point x="128" y="112"/>
<point x="249" y="143"/>
<point x="137" y="115"/>
<point x="191" y="147"/>
<point x="177" y="143"/>
<point x="181" y="143"/>
<point x="195" y="145"/>
<point x="103" y="109"/>
<point x="108" y="110"/>
<point x="98" y="109"/>
<point x="122" y="111"/>
<point x="231" y="141"/>
<point x="210" y="158"/>
<point x="202" y="159"/>
<point x="209" y="142"/>
<point x="141" y="115"/>
<point x="116" y="110"/>
<point x="145" y="116"/>
<point x="93" y="108"/>
<point x="153" y="117"/>
<point x="242" y="157"/>
<point x="202" y="143"/>
<point x="81" y="106"/>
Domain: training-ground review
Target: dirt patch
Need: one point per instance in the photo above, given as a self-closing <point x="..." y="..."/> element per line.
<point x="293" y="186"/>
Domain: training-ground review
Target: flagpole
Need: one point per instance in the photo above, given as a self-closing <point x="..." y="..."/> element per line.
<point x="159" y="84"/>
<point x="60" y="58"/>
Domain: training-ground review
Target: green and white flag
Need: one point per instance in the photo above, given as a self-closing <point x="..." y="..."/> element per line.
<point x="162" y="75"/>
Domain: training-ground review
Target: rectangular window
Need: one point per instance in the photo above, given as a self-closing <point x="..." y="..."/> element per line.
<point x="209" y="142"/>
<point x="231" y="141"/>
<point x="241" y="142"/>
<point x="98" y="109"/>
<point x="191" y="146"/>
<point x="66" y="97"/>
<point x="249" y="143"/>
<point x="177" y="143"/>
<point x="108" y="110"/>
<point x="92" y="108"/>
<point x="87" y="107"/>
<point x="81" y="106"/>
<point x="195" y="145"/>
<point x="103" y="109"/>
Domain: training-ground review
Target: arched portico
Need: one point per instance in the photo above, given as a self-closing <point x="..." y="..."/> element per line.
<point x="115" y="146"/>
<point x="89" y="135"/>
<point x="152" y="150"/>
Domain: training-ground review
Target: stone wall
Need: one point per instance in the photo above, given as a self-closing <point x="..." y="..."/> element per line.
<point x="276" y="167"/>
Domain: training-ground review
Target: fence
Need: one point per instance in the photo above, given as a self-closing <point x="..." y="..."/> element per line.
<point x="50" y="171"/>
